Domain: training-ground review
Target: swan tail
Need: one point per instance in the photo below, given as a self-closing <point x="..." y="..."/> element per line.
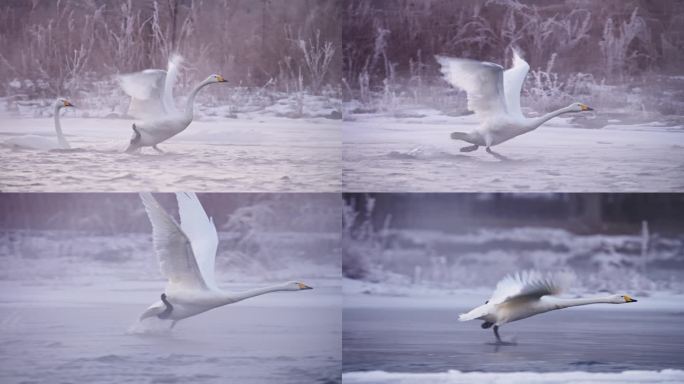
<point x="477" y="313"/>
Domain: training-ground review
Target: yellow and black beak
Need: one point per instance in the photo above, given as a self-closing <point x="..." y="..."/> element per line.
<point x="68" y="104"/>
<point x="220" y="79"/>
<point x="628" y="299"/>
<point x="303" y="286"/>
<point x="585" y="107"/>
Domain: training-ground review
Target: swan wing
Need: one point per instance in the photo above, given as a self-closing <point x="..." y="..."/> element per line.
<point x="146" y="90"/>
<point x="482" y="81"/>
<point x="526" y="285"/>
<point x="202" y="233"/>
<point x="170" y="81"/>
<point x="173" y="248"/>
<point x="513" y="79"/>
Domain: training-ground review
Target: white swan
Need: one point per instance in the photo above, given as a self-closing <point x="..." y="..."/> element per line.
<point x="523" y="295"/>
<point x="186" y="254"/>
<point x="152" y="101"/>
<point x="42" y="142"/>
<point x="494" y="97"/>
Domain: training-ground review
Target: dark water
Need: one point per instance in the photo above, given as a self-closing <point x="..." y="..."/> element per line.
<point x="284" y="339"/>
<point x="432" y="340"/>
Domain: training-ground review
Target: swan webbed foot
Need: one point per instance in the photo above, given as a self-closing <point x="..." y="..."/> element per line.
<point x="498" y="339"/>
<point x="497" y="155"/>
<point x="157" y="149"/>
<point x="470" y="148"/>
<point x="496" y="333"/>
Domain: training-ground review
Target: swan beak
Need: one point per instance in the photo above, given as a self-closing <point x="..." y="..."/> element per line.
<point x="68" y="104"/>
<point x="220" y="79"/>
<point x="586" y="108"/>
<point x="303" y="286"/>
<point x="628" y="299"/>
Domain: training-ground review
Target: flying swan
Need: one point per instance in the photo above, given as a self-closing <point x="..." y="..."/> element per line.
<point x="41" y="142"/>
<point x="527" y="294"/>
<point x="186" y="254"/>
<point x="494" y="97"/>
<point x="152" y="102"/>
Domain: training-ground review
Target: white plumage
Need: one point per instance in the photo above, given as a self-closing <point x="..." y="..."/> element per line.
<point x="43" y="143"/>
<point x="527" y="294"/>
<point x="494" y="96"/>
<point x="186" y="253"/>
<point x="152" y="102"/>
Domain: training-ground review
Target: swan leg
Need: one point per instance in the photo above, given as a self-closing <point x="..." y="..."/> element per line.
<point x="167" y="310"/>
<point x="497" y="155"/>
<point x="135" y="141"/>
<point x="173" y="324"/>
<point x="496" y="333"/>
<point x="157" y="149"/>
<point x="470" y="148"/>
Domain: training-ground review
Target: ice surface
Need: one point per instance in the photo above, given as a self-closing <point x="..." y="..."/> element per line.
<point x="410" y="154"/>
<point x="264" y="153"/>
<point x="457" y="377"/>
<point x="70" y="302"/>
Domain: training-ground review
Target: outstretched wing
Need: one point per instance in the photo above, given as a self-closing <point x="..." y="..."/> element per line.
<point x="513" y="79"/>
<point x="526" y="285"/>
<point x="202" y="233"/>
<point x="151" y="90"/>
<point x="146" y="90"/>
<point x="482" y="81"/>
<point x="173" y="248"/>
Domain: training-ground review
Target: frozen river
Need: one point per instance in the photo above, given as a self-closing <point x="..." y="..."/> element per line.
<point x="409" y="155"/>
<point x="259" y="154"/>
<point x="430" y="341"/>
<point x="76" y="335"/>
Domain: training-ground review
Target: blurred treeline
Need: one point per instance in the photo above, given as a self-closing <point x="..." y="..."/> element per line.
<point x="582" y="213"/>
<point x="59" y="45"/>
<point x="622" y="56"/>
<point x="114" y="213"/>
<point x="612" y="38"/>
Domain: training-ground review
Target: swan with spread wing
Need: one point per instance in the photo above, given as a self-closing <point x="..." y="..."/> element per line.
<point x="152" y="102"/>
<point x="526" y="294"/>
<point x="41" y="142"/>
<point x="494" y="97"/>
<point x="186" y="252"/>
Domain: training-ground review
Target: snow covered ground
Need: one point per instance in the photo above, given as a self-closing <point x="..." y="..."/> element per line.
<point x="414" y="153"/>
<point x="254" y="153"/>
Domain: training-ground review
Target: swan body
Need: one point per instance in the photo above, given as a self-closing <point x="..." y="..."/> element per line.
<point x="494" y="97"/>
<point x="186" y="252"/>
<point x="152" y="103"/>
<point x="41" y="142"/>
<point x="526" y="294"/>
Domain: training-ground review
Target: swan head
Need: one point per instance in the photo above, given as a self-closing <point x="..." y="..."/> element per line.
<point x="296" y="286"/>
<point x="63" y="103"/>
<point x="621" y="299"/>
<point x="214" y="78"/>
<point x="580" y="107"/>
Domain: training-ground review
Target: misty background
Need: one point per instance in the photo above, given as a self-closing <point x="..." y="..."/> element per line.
<point x="621" y="57"/>
<point x="262" y="237"/>
<point x="268" y="50"/>
<point x="608" y="242"/>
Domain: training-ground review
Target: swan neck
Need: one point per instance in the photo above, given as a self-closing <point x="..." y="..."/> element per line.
<point x="234" y="297"/>
<point x="189" y="108"/>
<point x="565" y="303"/>
<point x="58" y="129"/>
<point x="543" y="119"/>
